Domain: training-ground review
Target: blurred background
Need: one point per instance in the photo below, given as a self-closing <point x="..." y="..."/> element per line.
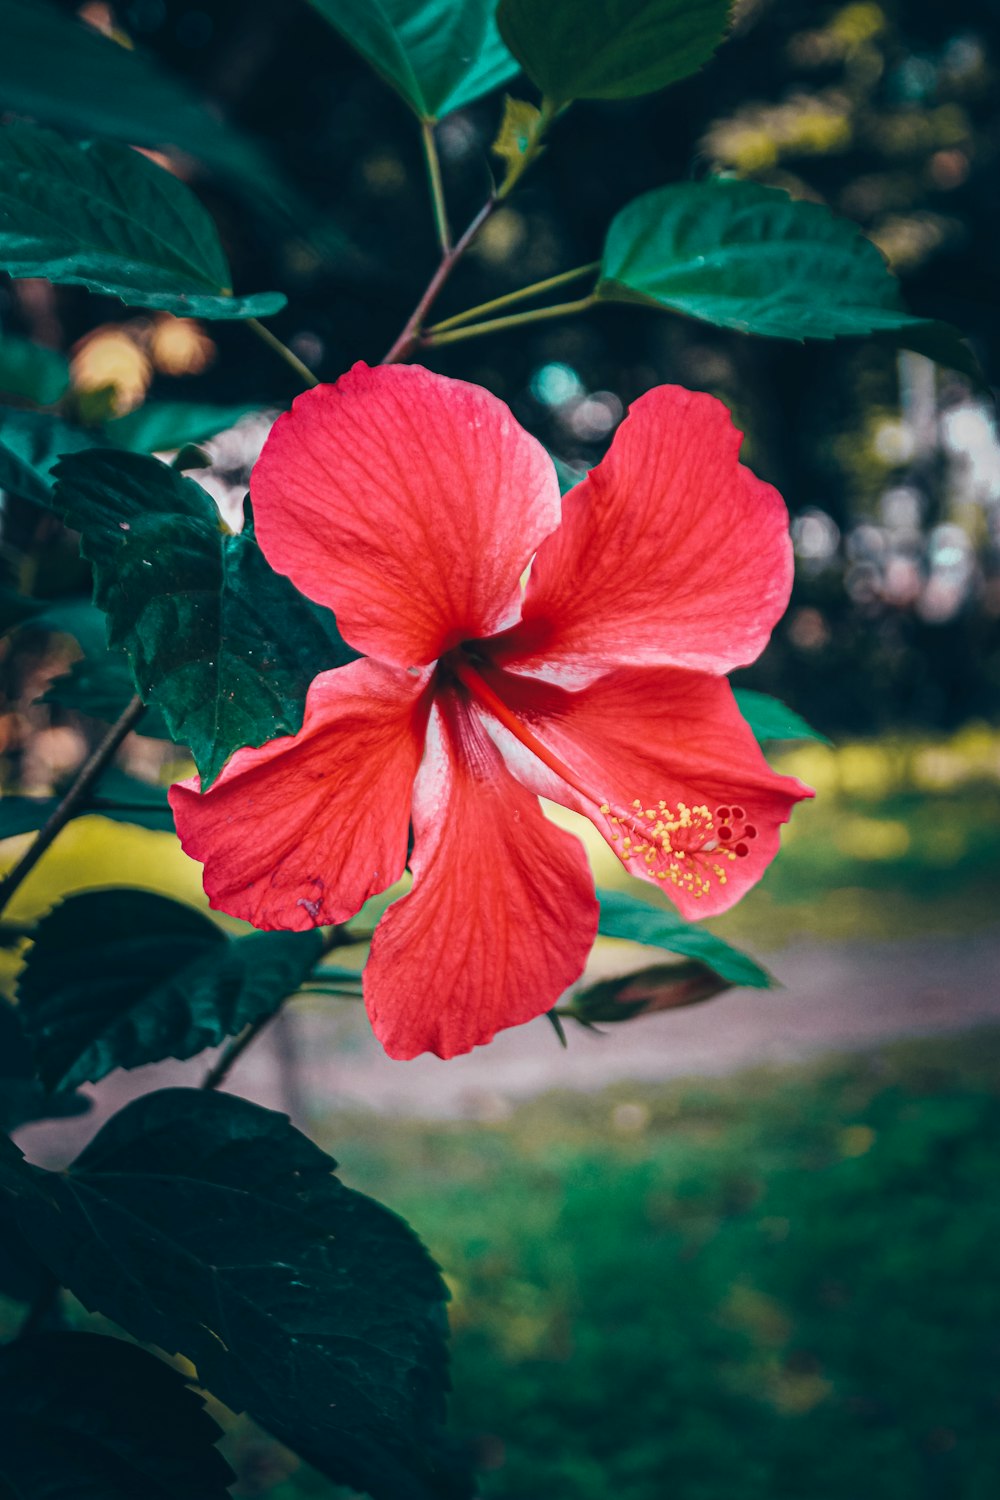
<point x="745" y="1249"/>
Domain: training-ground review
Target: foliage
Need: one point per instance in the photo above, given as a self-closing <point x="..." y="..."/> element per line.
<point x="208" y="1226"/>
<point x="227" y="646"/>
<point x="118" y="979"/>
<point x="95" y="1416"/>
<point x="105" y="217"/>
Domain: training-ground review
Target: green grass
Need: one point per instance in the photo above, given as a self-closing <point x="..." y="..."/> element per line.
<point x="776" y="1286"/>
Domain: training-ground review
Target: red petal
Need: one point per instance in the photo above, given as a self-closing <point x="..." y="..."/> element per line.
<point x="650" y="735"/>
<point x="502" y="914"/>
<point x="407" y="502"/>
<point x="302" y="831"/>
<point x="670" y="553"/>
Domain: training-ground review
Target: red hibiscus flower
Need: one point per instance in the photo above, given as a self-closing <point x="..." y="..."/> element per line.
<point x="412" y="505"/>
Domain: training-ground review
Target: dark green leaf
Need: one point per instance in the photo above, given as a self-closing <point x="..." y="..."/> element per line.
<point x="121" y="978"/>
<point x="749" y="257"/>
<point x="661" y="927"/>
<point x="227" y="646"/>
<point x="771" y="720"/>
<point x="161" y="426"/>
<point x="661" y="987"/>
<point x="121" y="798"/>
<point x="67" y="74"/>
<point x="32" y="372"/>
<point x="95" y="1418"/>
<point x="439" y="55"/>
<point x="103" y="216"/>
<point x="611" y="49"/>
<point x="208" y="1226"/>
<point x="31" y="443"/>
<point x="22" y="1275"/>
<point x="22" y="1097"/>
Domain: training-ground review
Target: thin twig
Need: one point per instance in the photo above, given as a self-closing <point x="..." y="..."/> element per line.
<point x="72" y="799"/>
<point x="220" y="1069"/>
<point x="282" y="350"/>
<point x="336" y="937"/>
<point x="410" y="336"/>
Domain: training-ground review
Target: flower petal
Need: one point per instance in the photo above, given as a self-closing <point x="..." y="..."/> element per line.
<point x="407" y="502"/>
<point x="302" y="831"/>
<point x="643" y="745"/>
<point x="502" y="914"/>
<point x="670" y="553"/>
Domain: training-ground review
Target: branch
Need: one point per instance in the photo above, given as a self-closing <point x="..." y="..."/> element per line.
<point x="410" y="336"/>
<point x="73" y="799"/>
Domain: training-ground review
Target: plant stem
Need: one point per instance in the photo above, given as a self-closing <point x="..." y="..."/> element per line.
<point x="437" y="186"/>
<point x="282" y="350"/>
<point x="516" y="320"/>
<point x="337" y="937"/>
<point x="220" y="1069"/>
<point x="508" y="300"/>
<point x="73" y="798"/>
<point x="410" y="336"/>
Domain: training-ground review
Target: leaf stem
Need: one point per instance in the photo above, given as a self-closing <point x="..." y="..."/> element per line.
<point x="437" y="186"/>
<point x="73" y="798"/>
<point x="282" y="350"/>
<point x="516" y="320"/>
<point x="509" y="298"/>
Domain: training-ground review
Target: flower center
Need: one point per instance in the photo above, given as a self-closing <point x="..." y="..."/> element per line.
<point x="667" y="839"/>
<point x="684" y="845"/>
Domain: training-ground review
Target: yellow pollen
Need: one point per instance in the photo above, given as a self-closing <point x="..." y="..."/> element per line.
<point x="690" y="846"/>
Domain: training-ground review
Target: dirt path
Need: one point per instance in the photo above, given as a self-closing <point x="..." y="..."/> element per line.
<point x="834" y="998"/>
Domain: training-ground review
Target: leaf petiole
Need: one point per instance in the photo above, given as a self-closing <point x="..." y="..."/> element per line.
<point x="437" y="186"/>
<point x="536" y="289"/>
<point x="283" y="352"/>
<point x="515" y="320"/>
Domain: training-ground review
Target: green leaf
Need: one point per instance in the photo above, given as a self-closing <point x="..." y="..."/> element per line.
<point x="227" y="645"/>
<point x="611" y="49"/>
<point x="31" y="444"/>
<point x="121" y="798"/>
<point x="122" y="978"/>
<point x="63" y="73"/>
<point x="749" y="257"/>
<point x="161" y="426"/>
<point x="32" y="372"/>
<point x="208" y="1226"/>
<point x="22" y="1097"/>
<point x="94" y="1418"/>
<point x="439" y="55"/>
<point x="661" y="987"/>
<point x="661" y="927"/>
<point x="105" y="217"/>
<point x="22" y="1275"/>
<point x="771" y="720"/>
